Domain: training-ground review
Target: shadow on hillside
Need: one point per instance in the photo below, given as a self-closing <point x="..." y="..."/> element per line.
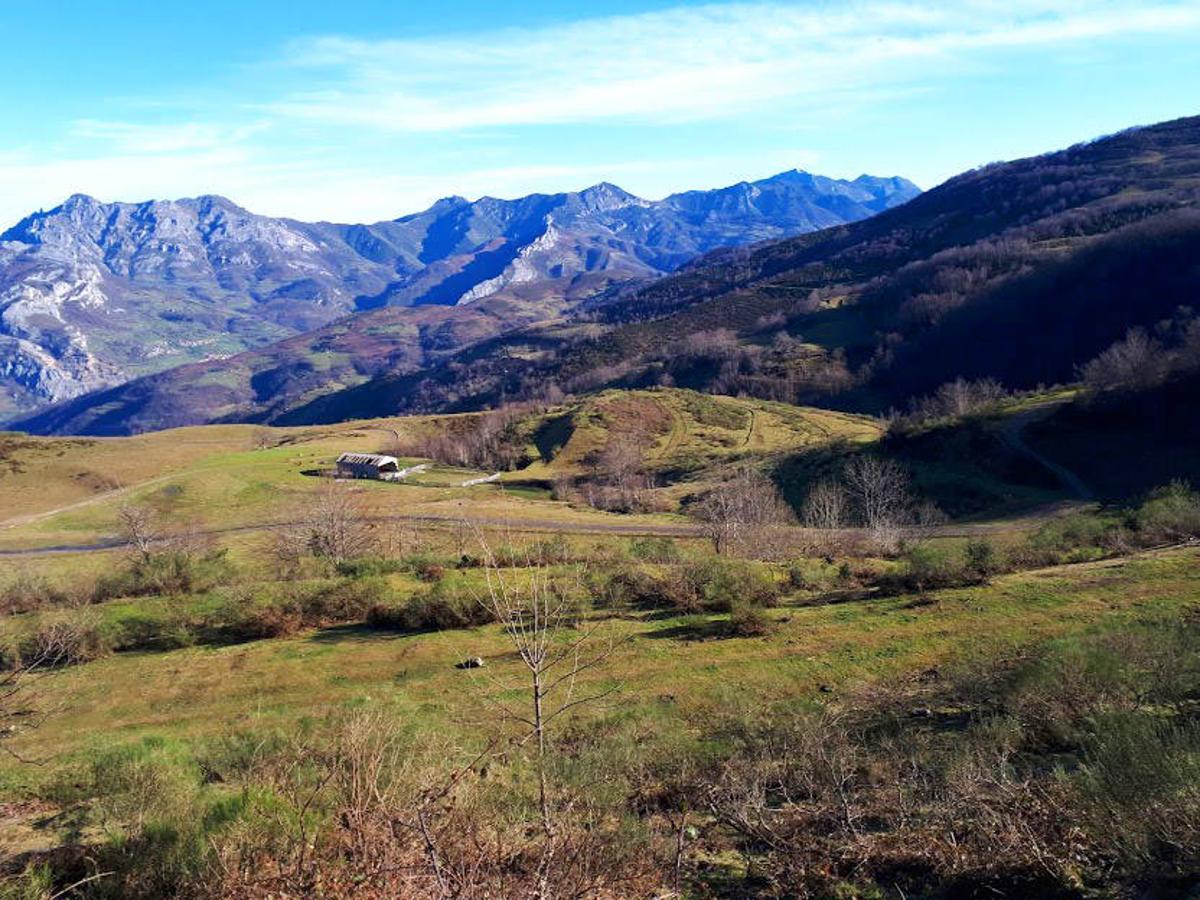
<point x="354" y="631"/>
<point x="698" y="629"/>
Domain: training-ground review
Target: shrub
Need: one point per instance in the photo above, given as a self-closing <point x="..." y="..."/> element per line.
<point x="627" y="587"/>
<point x="165" y="628"/>
<point x="811" y="575"/>
<point x="748" y="620"/>
<point x="982" y="560"/>
<point x="369" y="566"/>
<point x="431" y="572"/>
<point x="925" y="568"/>
<point x="654" y="549"/>
<point x="1136" y="793"/>
<point x="34" y="882"/>
<point x="162" y="825"/>
<point x="443" y="606"/>
<point x="1072" y="533"/>
<point x="169" y="572"/>
<point x="27" y="593"/>
<point x="1170" y="513"/>
<point x="717" y="585"/>
<point x="555" y="550"/>
<point x="264" y="622"/>
<point x="348" y="600"/>
<point x="62" y="642"/>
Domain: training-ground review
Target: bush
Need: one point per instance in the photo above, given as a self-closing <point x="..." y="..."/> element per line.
<point x="263" y="622"/>
<point x="654" y="549"/>
<point x="552" y="551"/>
<point x="925" y="568"/>
<point x="170" y="572"/>
<point x="27" y="593"/>
<point x="811" y="575"/>
<point x="713" y="584"/>
<point x="717" y="585"/>
<point x="928" y="567"/>
<point x="1170" y="513"/>
<point x="1136" y="793"/>
<point x="34" y="882"/>
<point x="60" y="642"/>
<point x="982" y="560"/>
<point x="345" y="601"/>
<point x="627" y="587"/>
<point x="441" y="607"/>
<point x="1073" y="533"/>
<point x="161" y="823"/>
<point x="431" y="572"/>
<point x="748" y="620"/>
<point x="370" y="566"/>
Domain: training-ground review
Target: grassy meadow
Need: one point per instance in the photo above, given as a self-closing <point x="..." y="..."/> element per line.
<point x="260" y="682"/>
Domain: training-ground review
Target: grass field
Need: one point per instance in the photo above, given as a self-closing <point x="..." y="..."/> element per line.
<point x="207" y="683"/>
<point x="666" y="667"/>
<point x="67" y="491"/>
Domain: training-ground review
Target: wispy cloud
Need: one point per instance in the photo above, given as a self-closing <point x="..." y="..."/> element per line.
<point x="350" y="128"/>
<point x="684" y="64"/>
<point x="183" y="137"/>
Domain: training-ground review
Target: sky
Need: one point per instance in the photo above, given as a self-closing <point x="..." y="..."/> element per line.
<point x="368" y="110"/>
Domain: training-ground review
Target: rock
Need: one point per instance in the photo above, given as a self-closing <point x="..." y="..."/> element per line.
<point x="471" y="662"/>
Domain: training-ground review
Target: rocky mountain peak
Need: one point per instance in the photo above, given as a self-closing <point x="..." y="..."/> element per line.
<point x="101" y="292"/>
<point x="607" y="196"/>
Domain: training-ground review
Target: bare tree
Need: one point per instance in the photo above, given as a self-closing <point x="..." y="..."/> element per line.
<point x="21" y="703"/>
<point x="540" y="617"/>
<point x="880" y="490"/>
<point x="289" y="545"/>
<point x="826" y="507"/>
<point x="139" y="528"/>
<point x="338" y="527"/>
<point x="621" y="479"/>
<point x="746" y="504"/>
<point x="1135" y="363"/>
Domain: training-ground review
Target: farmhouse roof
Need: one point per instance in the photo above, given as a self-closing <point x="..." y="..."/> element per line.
<point x="377" y="460"/>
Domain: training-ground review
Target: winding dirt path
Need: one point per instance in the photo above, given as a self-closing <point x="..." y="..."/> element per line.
<point x="30" y="518"/>
<point x="1013" y="434"/>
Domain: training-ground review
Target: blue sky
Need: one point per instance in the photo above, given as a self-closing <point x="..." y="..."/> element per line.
<point x="367" y="110"/>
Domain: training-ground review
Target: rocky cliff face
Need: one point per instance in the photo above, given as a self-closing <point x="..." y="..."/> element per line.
<point x="93" y="294"/>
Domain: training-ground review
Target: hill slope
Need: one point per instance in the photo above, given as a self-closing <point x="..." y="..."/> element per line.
<point x="1020" y="271"/>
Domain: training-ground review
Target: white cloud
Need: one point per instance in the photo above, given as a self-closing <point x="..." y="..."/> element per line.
<point x="168" y="138"/>
<point x="684" y="64"/>
<point x="356" y="129"/>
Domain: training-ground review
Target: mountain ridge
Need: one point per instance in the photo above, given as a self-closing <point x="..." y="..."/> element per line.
<point x="95" y="293"/>
<point x="1019" y="271"/>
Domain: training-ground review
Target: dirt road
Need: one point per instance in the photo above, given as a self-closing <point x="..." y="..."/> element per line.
<point x="1013" y="434"/>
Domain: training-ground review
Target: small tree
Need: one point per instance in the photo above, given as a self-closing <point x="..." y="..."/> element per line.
<point x="338" y="528"/>
<point x="1136" y="363"/>
<point x="880" y="490"/>
<point x="826" y="506"/>
<point x="734" y="511"/>
<point x="139" y="529"/>
<point x="21" y="706"/>
<point x="540" y="618"/>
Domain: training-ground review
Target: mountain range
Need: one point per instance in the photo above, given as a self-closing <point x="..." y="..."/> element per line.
<point x="93" y="294"/>
<point x="1019" y="272"/>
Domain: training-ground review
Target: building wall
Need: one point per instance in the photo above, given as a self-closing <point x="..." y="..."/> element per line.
<point x="353" y="470"/>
